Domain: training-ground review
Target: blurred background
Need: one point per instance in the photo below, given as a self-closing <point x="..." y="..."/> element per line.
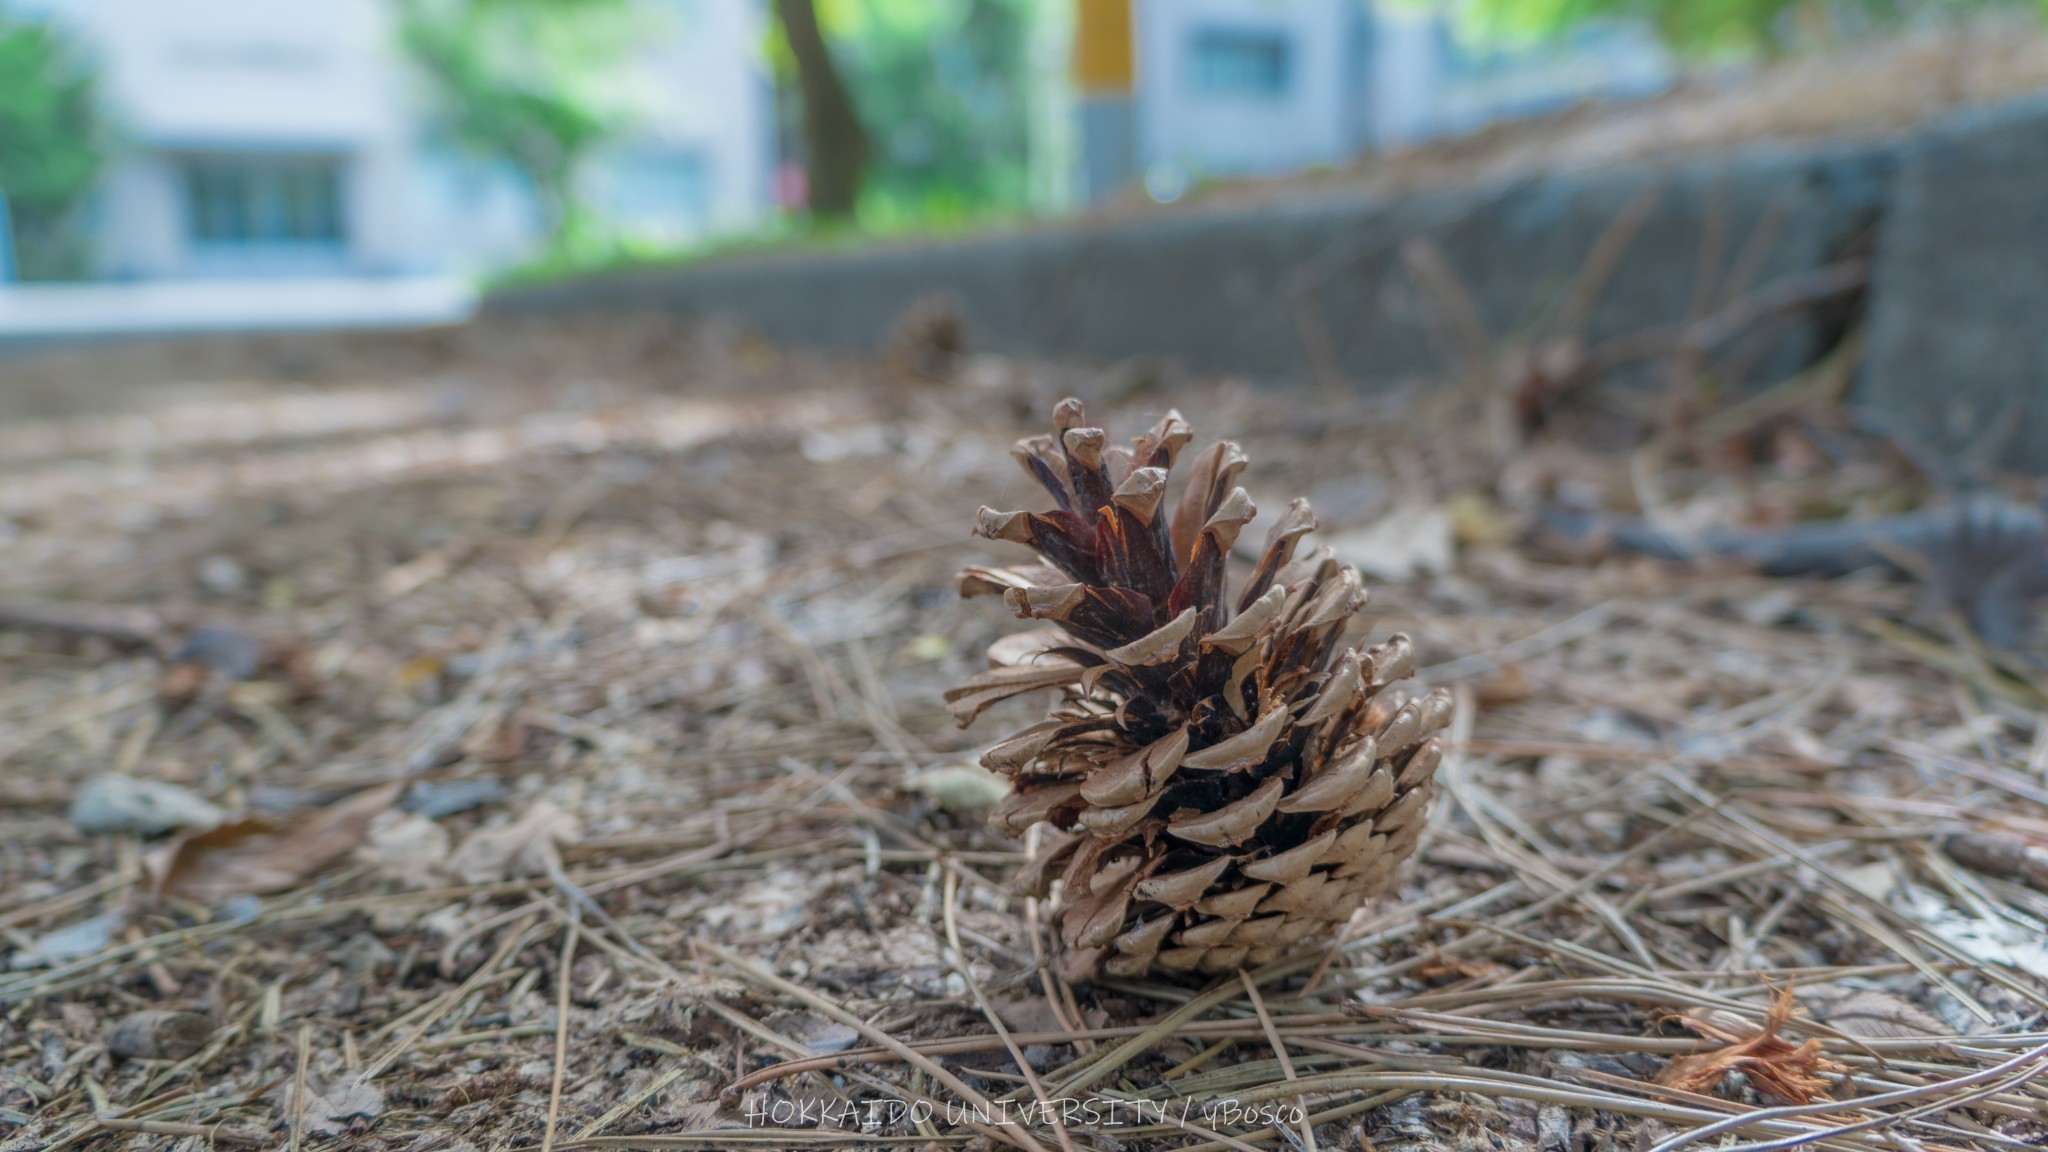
<point x="233" y="162"/>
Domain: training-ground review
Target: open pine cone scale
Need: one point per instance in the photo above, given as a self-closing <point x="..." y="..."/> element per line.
<point x="1225" y="781"/>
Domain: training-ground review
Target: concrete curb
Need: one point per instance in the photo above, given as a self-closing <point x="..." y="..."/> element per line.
<point x="1317" y="290"/>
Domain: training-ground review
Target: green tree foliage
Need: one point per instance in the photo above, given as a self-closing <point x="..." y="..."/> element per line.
<point x="50" y="145"/>
<point x="942" y="88"/>
<point x="1719" y="27"/>
<point x="525" y="82"/>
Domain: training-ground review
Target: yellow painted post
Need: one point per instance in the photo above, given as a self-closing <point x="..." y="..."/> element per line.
<point x="1104" y="61"/>
<point x="1105" y="75"/>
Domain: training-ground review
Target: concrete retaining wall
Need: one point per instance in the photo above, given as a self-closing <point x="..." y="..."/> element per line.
<point x="1959" y="309"/>
<point x="1318" y="290"/>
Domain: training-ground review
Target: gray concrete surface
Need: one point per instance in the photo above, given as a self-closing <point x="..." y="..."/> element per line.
<point x="1956" y="311"/>
<point x="1264" y="291"/>
<point x="1958" y="354"/>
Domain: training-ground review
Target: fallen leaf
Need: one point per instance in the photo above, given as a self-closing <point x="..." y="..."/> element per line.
<point x="529" y="846"/>
<point x="258" y="855"/>
<point x="1507" y="684"/>
<point x="1879" y="1015"/>
<point x="1875" y="880"/>
<point x="419" y="670"/>
<point x="1773" y="1065"/>
<point x="407" y="848"/>
<point x="1409" y="542"/>
<point x="333" y="1112"/>
<point x="1478" y="522"/>
<point x="820" y="1035"/>
<point x="1026" y="1012"/>
<point x="929" y="647"/>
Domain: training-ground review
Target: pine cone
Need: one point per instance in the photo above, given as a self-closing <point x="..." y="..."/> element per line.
<point x="1227" y="783"/>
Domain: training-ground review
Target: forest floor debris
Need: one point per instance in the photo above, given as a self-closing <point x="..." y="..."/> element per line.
<point x="581" y="781"/>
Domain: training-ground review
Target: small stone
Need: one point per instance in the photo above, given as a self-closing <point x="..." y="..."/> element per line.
<point x="235" y="655"/>
<point x="363" y="953"/>
<point x="74" y="942"/>
<point x="114" y="805"/>
<point x="446" y="798"/>
<point x="222" y="575"/>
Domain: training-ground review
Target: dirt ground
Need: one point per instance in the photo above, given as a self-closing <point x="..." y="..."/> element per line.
<point x="564" y="701"/>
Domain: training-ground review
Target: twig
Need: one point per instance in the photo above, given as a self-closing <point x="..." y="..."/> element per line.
<point x="562" y="983"/>
<point x="215" y="1132"/>
<point x="1251" y="991"/>
<point x="298" y="1105"/>
<point x="995" y="1021"/>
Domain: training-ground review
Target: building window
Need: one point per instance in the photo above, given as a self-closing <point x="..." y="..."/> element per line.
<point x="1242" y="62"/>
<point x="285" y="201"/>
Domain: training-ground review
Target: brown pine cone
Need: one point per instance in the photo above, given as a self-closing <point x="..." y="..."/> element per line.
<point x="1226" y="782"/>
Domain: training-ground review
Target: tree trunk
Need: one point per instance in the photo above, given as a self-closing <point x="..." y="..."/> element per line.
<point x="837" y="144"/>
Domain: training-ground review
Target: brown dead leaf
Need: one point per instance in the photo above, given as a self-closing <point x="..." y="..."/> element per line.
<point x="1026" y="1012"/>
<point x="258" y="855"/>
<point x="1507" y="684"/>
<point x="406" y="848"/>
<point x="1795" y="1074"/>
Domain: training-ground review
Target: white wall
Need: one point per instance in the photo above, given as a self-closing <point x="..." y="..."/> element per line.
<point x="219" y="71"/>
<point x="1407" y="68"/>
<point x="704" y="90"/>
<point x="1364" y="74"/>
<point x="1180" y="124"/>
<point x="326" y="77"/>
<point x="1596" y="59"/>
<point x="306" y="76"/>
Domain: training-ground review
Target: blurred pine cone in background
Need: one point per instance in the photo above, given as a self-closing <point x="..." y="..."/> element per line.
<point x="1224" y="782"/>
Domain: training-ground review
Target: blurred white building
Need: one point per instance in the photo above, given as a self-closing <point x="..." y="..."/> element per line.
<point x="288" y="139"/>
<point x="1234" y="87"/>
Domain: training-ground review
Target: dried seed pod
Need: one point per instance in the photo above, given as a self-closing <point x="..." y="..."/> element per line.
<point x="155" y="1034"/>
<point x="1226" y="778"/>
